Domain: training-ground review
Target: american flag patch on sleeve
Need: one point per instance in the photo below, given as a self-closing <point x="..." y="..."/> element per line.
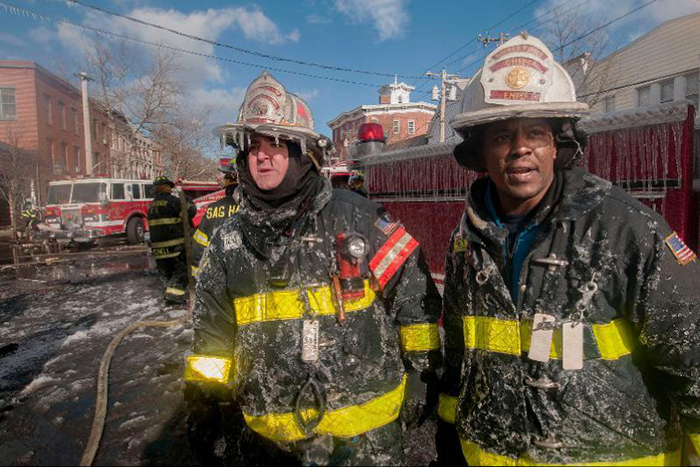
<point x="680" y="250"/>
<point x="386" y="224"/>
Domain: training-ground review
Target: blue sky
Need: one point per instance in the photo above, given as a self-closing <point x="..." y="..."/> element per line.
<point x="388" y="36"/>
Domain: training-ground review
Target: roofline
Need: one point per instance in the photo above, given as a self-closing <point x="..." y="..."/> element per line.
<point x="374" y="107"/>
<point x="664" y="24"/>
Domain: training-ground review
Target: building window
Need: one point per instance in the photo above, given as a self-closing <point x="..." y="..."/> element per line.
<point x="374" y="120"/>
<point x="8" y="105"/>
<point x="63" y="162"/>
<point x="74" y="119"/>
<point x="609" y="104"/>
<point x="103" y="131"/>
<point x="62" y="114"/>
<point x="94" y="130"/>
<point x="643" y="96"/>
<point x="47" y="110"/>
<point x="396" y="127"/>
<point x="692" y="88"/>
<point x="667" y="91"/>
<point x="411" y="127"/>
<point x="76" y="159"/>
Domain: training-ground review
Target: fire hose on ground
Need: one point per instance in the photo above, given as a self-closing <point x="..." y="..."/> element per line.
<point x="102" y="396"/>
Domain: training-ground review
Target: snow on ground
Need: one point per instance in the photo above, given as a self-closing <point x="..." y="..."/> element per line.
<point x="51" y="342"/>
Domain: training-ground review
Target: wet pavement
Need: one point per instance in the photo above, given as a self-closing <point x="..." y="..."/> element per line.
<point x="55" y="322"/>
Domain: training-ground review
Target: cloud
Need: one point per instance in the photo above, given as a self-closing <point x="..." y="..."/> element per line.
<point x="665" y="10"/>
<point x="222" y="103"/>
<point x="318" y="19"/>
<point x="307" y="95"/>
<point x="42" y="35"/>
<point x="389" y="17"/>
<point x="11" y="39"/>
<point x="209" y="24"/>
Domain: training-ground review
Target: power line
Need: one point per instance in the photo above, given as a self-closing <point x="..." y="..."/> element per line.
<point x="240" y="49"/>
<point x="41" y="16"/>
<point x="488" y="29"/>
<point x="586" y="34"/>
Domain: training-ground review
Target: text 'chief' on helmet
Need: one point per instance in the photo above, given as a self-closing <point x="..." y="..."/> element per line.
<point x="520" y="79"/>
<point x="268" y="109"/>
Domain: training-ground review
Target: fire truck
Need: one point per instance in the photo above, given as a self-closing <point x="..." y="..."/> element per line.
<point x="646" y="151"/>
<point x="84" y="210"/>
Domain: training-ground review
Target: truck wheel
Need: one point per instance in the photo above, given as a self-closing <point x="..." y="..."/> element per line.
<point x="135" y="230"/>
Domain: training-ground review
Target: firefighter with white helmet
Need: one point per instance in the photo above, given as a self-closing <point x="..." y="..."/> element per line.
<point x="571" y="309"/>
<point x="315" y="310"/>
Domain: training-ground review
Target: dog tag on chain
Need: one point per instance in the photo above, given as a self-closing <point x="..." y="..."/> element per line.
<point x="309" y="341"/>
<point x="541" y="339"/>
<point x="572" y="343"/>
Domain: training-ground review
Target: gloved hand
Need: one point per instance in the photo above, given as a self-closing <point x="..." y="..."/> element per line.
<point x="421" y="398"/>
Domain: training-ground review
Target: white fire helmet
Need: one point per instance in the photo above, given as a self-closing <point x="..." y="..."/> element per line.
<point x="520" y="79"/>
<point x="269" y="110"/>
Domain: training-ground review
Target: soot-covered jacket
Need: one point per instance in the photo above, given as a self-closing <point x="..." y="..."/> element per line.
<point x="214" y="217"/>
<point x="248" y="333"/>
<point x="600" y="258"/>
<point x="165" y="225"/>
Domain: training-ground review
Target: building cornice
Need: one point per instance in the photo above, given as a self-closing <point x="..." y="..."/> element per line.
<point x="378" y="109"/>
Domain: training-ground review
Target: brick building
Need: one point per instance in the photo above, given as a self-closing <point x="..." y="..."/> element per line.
<point x="43" y="113"/>
<point x="401" y="118"/>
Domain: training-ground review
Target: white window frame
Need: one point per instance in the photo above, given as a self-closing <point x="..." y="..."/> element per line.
<point x="396" y="127"/>
<point x="646" y="88"/>
<point x="668" y="82"/>
<point x="4" y="106"/>
<point x="411" y="127"/>
<point x="48" y="111"/>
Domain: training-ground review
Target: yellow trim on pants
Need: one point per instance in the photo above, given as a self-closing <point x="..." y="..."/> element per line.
<point x="167" y="243"/>
<point x="165" y="221"/>
<point x="420" y="337"/>
<point x="477" y="456"/>
<point x="343" y="423"/>
<point x="447" y="407"/>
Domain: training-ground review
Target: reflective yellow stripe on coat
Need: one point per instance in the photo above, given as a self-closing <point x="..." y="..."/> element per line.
<point x="207" y="369"/>
<point x="614" y="339"/>
<point x="344" y="423"/>
<point x="477" y="456"/>
<point x="287" y="305"/>
<point x="165" y="221"/>
<point x="201" y="238"/>
<point x="419" y="337"/>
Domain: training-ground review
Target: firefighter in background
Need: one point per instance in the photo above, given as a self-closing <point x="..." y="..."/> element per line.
<point x="168" y="239"/>
<point x="315" y="309"/>
<point x="215" y="214"/>
<point x="356" y="182"/>
<point x="571" y="309"/>
<point x="30" y="217"/>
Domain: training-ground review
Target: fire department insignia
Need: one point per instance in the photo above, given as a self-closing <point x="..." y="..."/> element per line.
<point x="517" y="78"/>
<point x="460" y="245"/>
<point x="680" y="250"/>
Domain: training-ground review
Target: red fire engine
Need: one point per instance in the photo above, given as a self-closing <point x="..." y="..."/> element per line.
<point x="84" y="210"/>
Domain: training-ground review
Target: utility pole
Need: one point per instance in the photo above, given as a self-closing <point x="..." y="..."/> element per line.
<point x="486" y="41"/>
<point x="84" y="78"/>
<point x="445" y="79"/>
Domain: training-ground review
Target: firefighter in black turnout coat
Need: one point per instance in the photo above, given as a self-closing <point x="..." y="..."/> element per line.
<point x="215" y="215"/>
<point x="315" y="309"/>
<point x="168" y="239"/>
<point x="572" y="311"/>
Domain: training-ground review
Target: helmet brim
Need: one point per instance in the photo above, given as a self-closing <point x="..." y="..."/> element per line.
<point x="463" y="122"/>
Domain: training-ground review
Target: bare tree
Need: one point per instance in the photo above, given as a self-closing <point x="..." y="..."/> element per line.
<point x="568" y="34"/>
<point x="138" y="92"/>
<point x="17" y="167"/>
<point x="186" y="140"/>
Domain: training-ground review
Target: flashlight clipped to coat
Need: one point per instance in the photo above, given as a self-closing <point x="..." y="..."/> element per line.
<point x="348" y="283"/>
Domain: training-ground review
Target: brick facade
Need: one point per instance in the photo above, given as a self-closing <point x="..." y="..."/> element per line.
<point x="49" y="120"/>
